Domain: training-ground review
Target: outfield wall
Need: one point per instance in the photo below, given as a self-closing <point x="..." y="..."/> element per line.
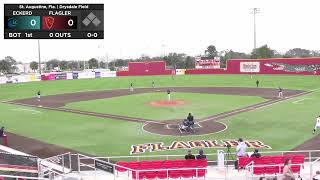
<point x="152" y="68"/>
<point x="290" y="66"/>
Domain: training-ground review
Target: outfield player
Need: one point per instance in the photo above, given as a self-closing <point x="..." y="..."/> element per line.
<point x="131" y="87"/>
<point x="257" y="83"/>
<point x="317" y="124"/>
<point x="152" y="84"/>
<point x="39" y="95"/>
<point x="169" y="94"/>
<point x="280" y="91"/>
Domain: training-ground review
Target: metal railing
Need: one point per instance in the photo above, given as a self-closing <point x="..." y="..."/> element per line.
<point x="211" y="157"/>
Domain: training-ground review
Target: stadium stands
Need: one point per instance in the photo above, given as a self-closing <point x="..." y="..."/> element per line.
<point x="164" y="169"/>
<point x="272" y="164"/>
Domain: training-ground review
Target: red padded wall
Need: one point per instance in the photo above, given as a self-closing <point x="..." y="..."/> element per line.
<point x="301" y="66"/>
<point x="145" y="69"/>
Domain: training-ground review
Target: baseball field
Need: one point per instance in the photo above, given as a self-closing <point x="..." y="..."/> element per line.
<point x="102" y="117"/>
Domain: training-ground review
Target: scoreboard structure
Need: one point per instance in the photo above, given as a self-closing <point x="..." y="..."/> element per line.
<point x="53" y="21"/>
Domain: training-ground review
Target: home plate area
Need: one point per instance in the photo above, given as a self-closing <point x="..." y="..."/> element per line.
<point x="179" y="128"/>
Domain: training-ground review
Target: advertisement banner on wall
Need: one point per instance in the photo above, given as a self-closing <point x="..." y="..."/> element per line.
<point x="32" y="77"/>
<point x="207" y="63"/>
<point x="250" y="67"/>
<point x="75" y="75"/>
<point x="69" y="76"/>
<point x="180" y="71"/>
<point x="3" y="80"/>
<point x="98" y="74"/>
<point x="108" y="74"/>
<point x="86" y="75"/>
<point x="62" y="76"/>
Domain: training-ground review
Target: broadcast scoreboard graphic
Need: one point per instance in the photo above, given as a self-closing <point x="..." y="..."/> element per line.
<point x="53" y="21"/>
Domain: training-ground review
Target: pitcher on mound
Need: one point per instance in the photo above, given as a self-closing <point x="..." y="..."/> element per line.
<point x="169" y="94"/>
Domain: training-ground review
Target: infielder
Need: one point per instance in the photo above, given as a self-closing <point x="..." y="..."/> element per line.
<point x="39" y="95"/>
<point x="169" y="94"/>
<point x="280" y="91"/>
<point x="317" y="125"/>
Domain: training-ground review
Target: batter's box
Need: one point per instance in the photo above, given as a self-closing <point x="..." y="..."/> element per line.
<point x="177" y="126"/>
<point x="173" y="126"/>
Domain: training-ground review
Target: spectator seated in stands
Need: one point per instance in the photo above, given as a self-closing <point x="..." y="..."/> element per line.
<point x="256" y="154"/>
<point x="189" y="155"/>
<point x="287" y="171"/>
<point x="201" y="155"/>
<point x="317" y="176"/>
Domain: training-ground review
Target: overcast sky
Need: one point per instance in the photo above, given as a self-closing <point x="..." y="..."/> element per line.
<point x="153" y="27"/>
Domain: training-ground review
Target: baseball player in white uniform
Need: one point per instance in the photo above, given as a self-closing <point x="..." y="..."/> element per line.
<point x="280" y="95"/>
<point x="169" y="94"/>
<point x="317" y="125"/>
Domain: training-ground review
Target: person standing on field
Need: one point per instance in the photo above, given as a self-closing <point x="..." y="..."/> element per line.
<point x="169" y="94"/>
<point x="131" y="87"/>
<point x="317" y="124"/>
<point x="257" y="83"/>
<point x="152" y="84"/>
<point x="280" y="91"/>
<point x="38" y="95"/>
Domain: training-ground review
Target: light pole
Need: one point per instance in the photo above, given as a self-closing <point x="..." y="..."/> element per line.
<point x="254" y="11"/>
<point x="39" y="56"/>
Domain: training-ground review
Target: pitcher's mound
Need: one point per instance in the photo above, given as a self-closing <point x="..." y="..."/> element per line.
<point x="172" y="103"/>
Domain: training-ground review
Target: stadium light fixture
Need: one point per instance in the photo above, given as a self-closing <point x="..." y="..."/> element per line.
<point x="254" y="11"/>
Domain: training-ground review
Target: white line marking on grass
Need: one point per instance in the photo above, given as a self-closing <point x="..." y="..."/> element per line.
<point x="198" y="125"/>
<point x="27" y="110"/>
<point x="300" y="100"/>
<point x="315" y="89"/>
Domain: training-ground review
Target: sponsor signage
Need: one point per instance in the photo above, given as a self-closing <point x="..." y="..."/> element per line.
<point x="176" y="145"/>
<point x="97" y="74"/>
<point x="250" y="67"/>
<point x="104" y="166"/>
<point x="75" y="75"/>
<point x="62" y="76"/>
<point x="207" y="63"/>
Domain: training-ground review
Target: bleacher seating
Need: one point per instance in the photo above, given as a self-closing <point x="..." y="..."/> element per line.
<point x="272" y="164"/>
<point x="164" y="169"/>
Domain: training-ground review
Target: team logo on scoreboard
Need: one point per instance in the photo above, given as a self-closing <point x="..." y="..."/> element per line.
<point x="49" y="21"/>
<point x="12" y="22"/>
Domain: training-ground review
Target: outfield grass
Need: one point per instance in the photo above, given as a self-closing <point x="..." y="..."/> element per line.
<point x="201" y="105"/>
<point x="282" y="126"/>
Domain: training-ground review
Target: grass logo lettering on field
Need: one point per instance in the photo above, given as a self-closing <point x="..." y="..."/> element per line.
<point x="176" y="145"/>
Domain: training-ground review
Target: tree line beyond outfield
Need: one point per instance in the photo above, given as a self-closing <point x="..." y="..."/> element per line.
<point x="173" y="60"/>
